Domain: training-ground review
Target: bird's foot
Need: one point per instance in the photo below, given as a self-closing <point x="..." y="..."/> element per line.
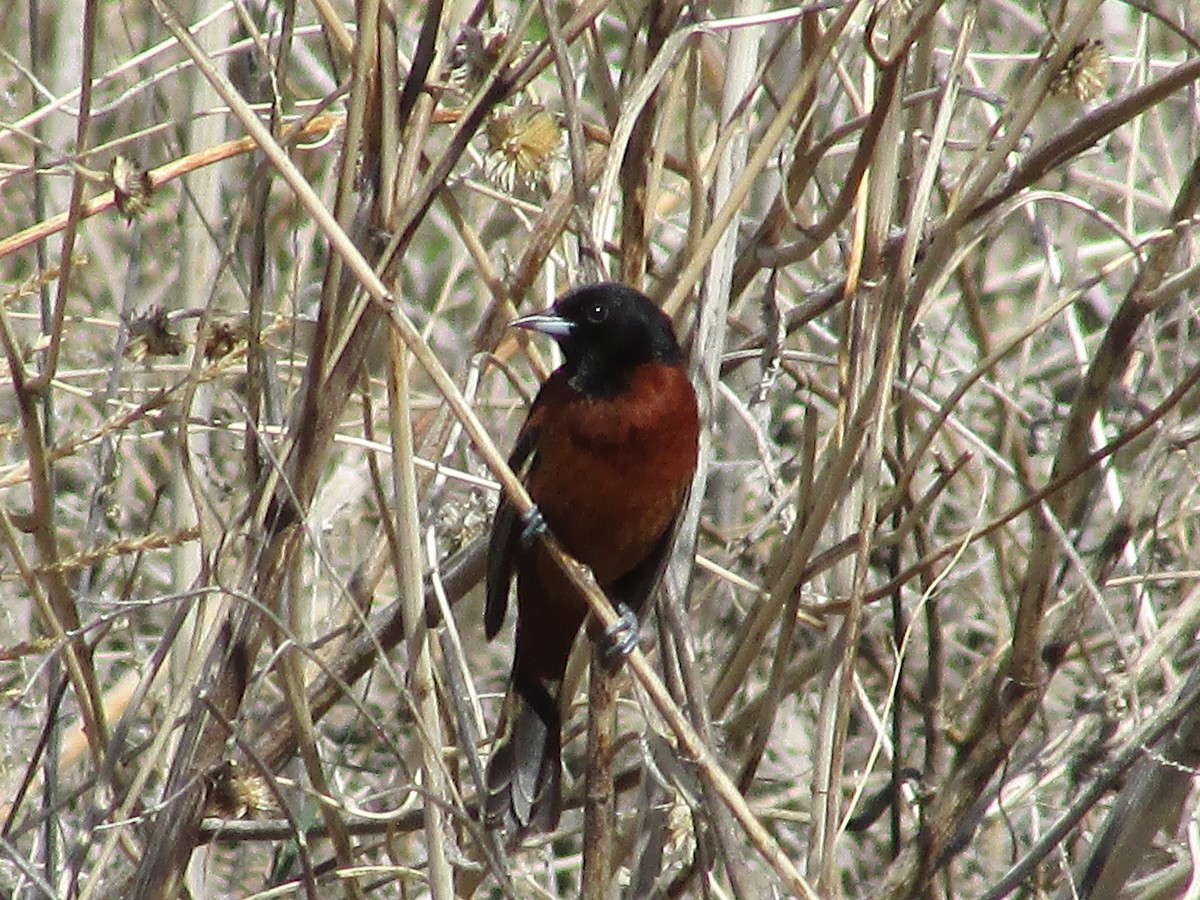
<point x="618" y="640"/>
<point x="533" y="526"/>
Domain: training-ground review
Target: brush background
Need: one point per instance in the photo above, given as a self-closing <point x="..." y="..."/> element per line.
<point x="906" y="323"/>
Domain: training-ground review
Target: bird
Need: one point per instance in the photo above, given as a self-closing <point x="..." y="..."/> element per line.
<point x="607" y="453"/>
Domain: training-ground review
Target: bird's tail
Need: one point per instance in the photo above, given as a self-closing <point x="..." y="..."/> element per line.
<point x="524" y="773"/>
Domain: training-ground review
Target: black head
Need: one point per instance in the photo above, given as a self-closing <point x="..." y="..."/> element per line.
<point x="606" y="331"/>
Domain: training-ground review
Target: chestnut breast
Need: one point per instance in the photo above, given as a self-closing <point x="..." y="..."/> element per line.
<point x="635" y="452"/>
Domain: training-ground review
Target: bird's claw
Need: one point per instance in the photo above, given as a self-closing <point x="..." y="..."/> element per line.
<point x="618" y="639"/>
<point x="533" y="526"/>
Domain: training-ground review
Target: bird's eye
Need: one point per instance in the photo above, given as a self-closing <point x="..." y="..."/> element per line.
<point x="597" y="313"/>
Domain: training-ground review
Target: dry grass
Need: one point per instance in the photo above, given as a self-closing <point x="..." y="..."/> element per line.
<point x="935" y="265"/>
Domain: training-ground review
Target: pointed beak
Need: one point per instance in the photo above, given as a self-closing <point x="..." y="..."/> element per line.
<point x="548" y="322"/>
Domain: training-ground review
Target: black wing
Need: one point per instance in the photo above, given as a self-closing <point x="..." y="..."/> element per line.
<point x="505" y="530"/>
<point x="634" y="587"/>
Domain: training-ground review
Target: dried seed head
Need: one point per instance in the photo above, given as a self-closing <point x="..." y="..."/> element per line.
<point x="475" y="53"/>
<point x="523" y="144"/>
<point x="225" y="336"/>
<point x="132" y="187"/>
<point x="236" y="794"/>
<point x="1085" y="73"/>
<point x="151" y="334"/>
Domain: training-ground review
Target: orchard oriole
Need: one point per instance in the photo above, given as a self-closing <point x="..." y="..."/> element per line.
<point x="607" y="453"/>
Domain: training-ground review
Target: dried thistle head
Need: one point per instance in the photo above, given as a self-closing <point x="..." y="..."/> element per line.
<point x="225" y="336"/>
<point x="475" y="53"/>
<point x="459" y="521"/>
<point x="524" y="142"/>
<point x="235" y="794"/>
<point x="132" y="187"/>
<point x="1085" y="73"/>
<point x="151" y="334"/>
